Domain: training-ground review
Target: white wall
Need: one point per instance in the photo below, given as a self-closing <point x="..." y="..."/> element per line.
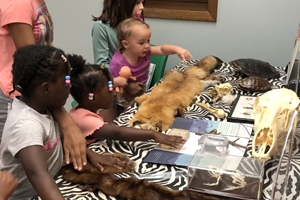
<point x="258" y="29"/>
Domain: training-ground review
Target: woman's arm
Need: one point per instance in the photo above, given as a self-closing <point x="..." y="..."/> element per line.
<point x="167" y="49"/>
<point x="35" y="166"/>
<point x="22" y="34"/>
<point x="74" y="141"/>
<point x="132" y="134"/>
<point x="100" y="46"/>
<point x="8" y="184"/>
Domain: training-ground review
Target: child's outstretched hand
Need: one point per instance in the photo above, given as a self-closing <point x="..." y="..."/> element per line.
<point x="8" y="184"/>
<point x="184" y="54"/>
<point x="170" y="140"/>
<point x="97" y="160"/>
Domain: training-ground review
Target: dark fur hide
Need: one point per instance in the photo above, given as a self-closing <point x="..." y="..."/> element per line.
<point x="157" y="109"/>
<point x="91" y="179"/>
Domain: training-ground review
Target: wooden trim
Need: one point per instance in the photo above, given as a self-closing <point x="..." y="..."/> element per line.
<point x="202" y="10"/>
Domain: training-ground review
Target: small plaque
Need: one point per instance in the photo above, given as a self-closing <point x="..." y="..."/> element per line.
<point x="242" y="110"/>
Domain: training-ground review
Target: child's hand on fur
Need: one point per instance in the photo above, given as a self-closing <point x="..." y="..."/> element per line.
<point x="97" y="160"/>
<point x="170" y="140"/>
<point x="184" y="54"/>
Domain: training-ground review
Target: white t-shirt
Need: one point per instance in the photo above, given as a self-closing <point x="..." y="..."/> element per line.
<point x="26" y="127"/>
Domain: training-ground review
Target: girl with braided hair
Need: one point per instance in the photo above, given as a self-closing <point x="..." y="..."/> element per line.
<point x="32" y="146"/>
<point x="92" y="88"/>
<point x="26" y="22"/>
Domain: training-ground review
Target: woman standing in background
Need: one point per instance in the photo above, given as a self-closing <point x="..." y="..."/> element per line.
<point x="105" y="41"/>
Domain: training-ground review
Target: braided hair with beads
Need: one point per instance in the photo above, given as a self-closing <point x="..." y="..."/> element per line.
<point x="35" y="64"/>
<point x="87" y="78"/>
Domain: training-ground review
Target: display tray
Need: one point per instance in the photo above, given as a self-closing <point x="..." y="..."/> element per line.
<point x="202" y="177"/>
<point x="242" y="110"/>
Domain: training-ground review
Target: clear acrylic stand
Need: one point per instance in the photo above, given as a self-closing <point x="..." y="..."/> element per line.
<point x="281" y="177"/>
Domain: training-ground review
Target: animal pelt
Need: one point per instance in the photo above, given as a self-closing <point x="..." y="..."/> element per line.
<point x="157" y="110"/>
<point x="91" y="179"/>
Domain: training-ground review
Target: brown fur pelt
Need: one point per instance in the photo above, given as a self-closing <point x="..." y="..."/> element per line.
<point x="157" y="110"/>
<point x="91" y="179"/>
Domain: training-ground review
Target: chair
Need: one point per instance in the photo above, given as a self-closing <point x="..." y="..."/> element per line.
<point x="74" y="103"/>
<point x="160" y="62"/>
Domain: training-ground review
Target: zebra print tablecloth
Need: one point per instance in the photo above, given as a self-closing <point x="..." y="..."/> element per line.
<point x="174" y="176"/>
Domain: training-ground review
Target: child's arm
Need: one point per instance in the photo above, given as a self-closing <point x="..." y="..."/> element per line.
<point x="132" y="134"/>
<point x="167" y="49"/>
<point x="74" y="141"/>
<point x="8" y="184"/>
<point x="35" y="166"/>
<point x="97" y="160"/>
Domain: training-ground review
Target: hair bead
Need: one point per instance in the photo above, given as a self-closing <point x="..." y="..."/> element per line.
<point x="19" y="88"/>
<point x="67" y="81"/>
<point x="91" y="96"/>
<point x="110" y="86"/>
<point x="64" y="58"/>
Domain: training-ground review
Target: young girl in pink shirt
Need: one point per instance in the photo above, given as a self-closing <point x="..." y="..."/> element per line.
<point x="92" y="88"/>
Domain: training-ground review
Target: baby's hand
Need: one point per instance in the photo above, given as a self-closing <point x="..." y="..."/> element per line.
<point x="8" y="184"/>
<point x="100" y="160"/>
<point x="170" y="140"/>
<point x="184" y="55"/>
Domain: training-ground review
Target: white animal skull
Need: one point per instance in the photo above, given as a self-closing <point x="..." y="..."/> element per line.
<point x="273" y="113"/>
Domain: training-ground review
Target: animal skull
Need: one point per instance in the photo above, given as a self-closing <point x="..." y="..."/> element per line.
<point x="273" y="113"/>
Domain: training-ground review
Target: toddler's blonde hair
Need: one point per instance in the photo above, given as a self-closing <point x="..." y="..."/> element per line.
<point x="124" y="29"/>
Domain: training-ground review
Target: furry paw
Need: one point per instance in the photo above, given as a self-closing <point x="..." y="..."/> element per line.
<point x="131" y="164"/>
<point x="122" y="156"/>
<point x="90" y="188"/>
<point x="128" y="167"/>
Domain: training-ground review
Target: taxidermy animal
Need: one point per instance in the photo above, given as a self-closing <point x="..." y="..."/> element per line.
<point x="157" y="109"/>
<point x="91" y="179"/>
<point x="258" y="72"/>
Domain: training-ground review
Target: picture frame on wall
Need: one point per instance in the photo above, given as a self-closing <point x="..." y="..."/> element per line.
<point x="242" y="110"/>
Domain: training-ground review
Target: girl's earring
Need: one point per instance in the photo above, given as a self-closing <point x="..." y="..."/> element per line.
<point x="91" y="96"/>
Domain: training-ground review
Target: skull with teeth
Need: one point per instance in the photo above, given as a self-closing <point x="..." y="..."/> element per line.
<point x="273" y="113"/>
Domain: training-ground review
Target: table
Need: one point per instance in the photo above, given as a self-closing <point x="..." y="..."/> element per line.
<point x="175" y="176"/>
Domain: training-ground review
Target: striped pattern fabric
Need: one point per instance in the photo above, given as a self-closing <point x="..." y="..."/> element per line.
<point x="174" y="177"/>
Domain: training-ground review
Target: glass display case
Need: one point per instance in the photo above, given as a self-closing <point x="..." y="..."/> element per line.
<point x="282" y="180"/>
<point x="216" y="144"/>
<point x="228" y="176"/>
